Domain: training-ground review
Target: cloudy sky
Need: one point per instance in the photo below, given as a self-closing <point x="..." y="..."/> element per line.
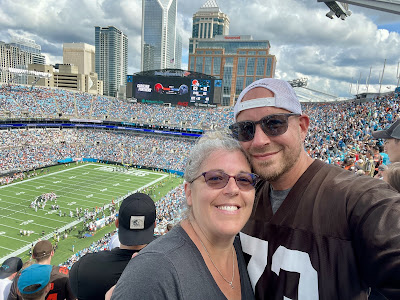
<point x="330" y="53"/>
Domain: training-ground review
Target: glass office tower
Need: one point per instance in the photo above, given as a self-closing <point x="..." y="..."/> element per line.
<point x="111" y="58"/>
<point x="161" y="45"/>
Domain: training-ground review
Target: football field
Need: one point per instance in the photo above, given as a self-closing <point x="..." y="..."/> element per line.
<point x="84" y="186"/>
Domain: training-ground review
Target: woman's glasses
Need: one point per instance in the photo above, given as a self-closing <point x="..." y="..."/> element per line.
<point x="219" y="179"/>
<point x="272" y="125"/>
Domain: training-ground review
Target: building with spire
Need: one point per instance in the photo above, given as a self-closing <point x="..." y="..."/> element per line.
<point x="161" y="44"/>
<point x="208" y="22"/>
<point x="237" y="59"/>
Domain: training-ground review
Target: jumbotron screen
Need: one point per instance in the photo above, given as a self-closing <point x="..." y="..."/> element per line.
<point x="175" y="90"/>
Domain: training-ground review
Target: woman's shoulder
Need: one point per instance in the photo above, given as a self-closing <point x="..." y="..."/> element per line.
<point x="173" y="241"/>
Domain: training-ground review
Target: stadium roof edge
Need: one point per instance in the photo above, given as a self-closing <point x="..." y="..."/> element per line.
<point x="174" y="73"/>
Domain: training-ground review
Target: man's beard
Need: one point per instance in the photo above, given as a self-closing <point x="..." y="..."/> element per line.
<point x="272" y="170"/>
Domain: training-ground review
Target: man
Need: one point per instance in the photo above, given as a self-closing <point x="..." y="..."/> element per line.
<point x="34" y="282"/>
<point x="8" y="270"/>
<point x="317" y="231"/>
<point x="60" y="288"/>
<point x="391" y="136"/>
<point x="95" y="273"/>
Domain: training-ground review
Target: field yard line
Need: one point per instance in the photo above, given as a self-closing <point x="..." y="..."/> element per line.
<point x="25" y="213"/>
<point x="7" y="236"/>
<point x="20" y="228"/>
<point x="6" y="248"/>
<point x="37" y="177"/>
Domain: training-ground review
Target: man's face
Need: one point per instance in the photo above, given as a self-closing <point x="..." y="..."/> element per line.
<point x="392" y="148"/>
<point x="272" y="156"/>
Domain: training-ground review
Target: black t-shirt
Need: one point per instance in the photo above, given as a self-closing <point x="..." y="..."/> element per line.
<point x="95" y="273"/>
<point x="60" y="287"/>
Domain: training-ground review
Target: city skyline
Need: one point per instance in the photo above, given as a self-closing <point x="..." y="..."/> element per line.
<point x="330" y="53"/>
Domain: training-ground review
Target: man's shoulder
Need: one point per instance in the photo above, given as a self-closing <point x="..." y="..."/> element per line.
<point x="59" y="271"/>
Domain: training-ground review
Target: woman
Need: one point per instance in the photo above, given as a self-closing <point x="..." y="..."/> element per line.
<point x="201" y="257"/>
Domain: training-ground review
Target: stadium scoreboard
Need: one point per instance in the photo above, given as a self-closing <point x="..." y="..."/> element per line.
<point x="182" y="91"/>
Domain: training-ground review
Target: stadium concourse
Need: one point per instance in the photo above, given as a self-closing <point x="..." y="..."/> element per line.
<point x="339" y="134"/>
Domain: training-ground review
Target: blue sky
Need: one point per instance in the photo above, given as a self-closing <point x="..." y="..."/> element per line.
<point x="330" y="53"/>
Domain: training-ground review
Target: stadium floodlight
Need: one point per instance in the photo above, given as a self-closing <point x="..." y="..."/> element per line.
<point x="337" y="9"/>
<point x="300" y="82"/>
<point x="330" y="14"/>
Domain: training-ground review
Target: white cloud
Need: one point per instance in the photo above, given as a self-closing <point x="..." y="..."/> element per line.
<point x="330" y="53"/>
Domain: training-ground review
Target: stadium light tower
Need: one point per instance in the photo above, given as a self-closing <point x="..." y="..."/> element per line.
<point x="300" y="82"/>
<point x="390" y="6"/>
<point x="338" y="9"/>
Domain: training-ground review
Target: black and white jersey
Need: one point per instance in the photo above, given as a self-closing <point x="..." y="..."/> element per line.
<point x="335" y="235"/>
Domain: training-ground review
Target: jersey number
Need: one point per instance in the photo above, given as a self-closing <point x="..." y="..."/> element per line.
<point x="283" y="259"/>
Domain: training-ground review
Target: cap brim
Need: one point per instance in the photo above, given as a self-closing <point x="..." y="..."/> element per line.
<point x="381" y="134"/>
<point x="135" y="237"/>
<point x="4" y="275"/>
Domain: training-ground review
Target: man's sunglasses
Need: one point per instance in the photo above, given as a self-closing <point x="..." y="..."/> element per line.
<point x="219" y="180"/>
<point x="272" y="125"/>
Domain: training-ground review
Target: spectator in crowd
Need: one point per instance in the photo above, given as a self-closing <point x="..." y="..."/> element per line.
<point x="8" y="270"/>
<point x="391" y="136"/>
<point x="392" y="175"/>
<point x="42" y="253"/>
<point x="94" y="274"/>
<point x="369" y="167"/>
<point x="200" y="258"/>
<point x="317" y="232"/>
<point x="34" y="282"/>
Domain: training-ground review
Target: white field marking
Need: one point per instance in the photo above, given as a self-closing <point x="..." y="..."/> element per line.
<point x="58" y="181"/>
<point x="116" y="184"/>
<point x="40" y="187"/>
<point x="103" y="190"/>
<point x="71" y="203"/>
<point x="42" y="176"/>
<point x="6" y="248"/>
<point x="89" y="196"/>
<point x="15" y="228"/>
<point x="19" y="193"/>
<point x="33" y="215"/>
<point x="26" y="222"/>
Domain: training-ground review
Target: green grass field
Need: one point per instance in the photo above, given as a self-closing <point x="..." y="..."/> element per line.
<point x="83" y="186"/>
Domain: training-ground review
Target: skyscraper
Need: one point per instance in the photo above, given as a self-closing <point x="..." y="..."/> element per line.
<point x="161" y="45"/>
<point x="237" y="59"/>
<point x="208" y="22"/>
<point x="111" y="58"/>
<point x="29" y="46"/>
<point x="81" y="55"/>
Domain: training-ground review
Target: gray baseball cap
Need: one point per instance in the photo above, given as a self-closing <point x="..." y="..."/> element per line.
<point x="393" y="132"/>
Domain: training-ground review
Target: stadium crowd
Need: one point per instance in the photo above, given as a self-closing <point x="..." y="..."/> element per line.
<point x="340" y="134"/>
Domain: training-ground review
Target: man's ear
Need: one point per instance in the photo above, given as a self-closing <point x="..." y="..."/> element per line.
<point x="116" y="222"/>
<point x="304" y="122"/>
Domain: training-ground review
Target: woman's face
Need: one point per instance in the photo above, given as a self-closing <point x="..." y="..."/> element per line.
<point x="221" y="212"/>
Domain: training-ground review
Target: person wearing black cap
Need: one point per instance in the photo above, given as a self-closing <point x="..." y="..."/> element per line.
<point x="8" y="270"/>
<point x="391" y="136"/>
<point x="95" y="273"/>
